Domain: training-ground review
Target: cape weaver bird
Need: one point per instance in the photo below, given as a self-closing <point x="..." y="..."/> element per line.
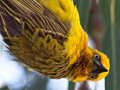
<point x="47" y="37"/>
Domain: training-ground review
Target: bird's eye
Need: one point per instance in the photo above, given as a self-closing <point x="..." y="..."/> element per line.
<point x="97" y="56"/>
<point x="92" y="77"/>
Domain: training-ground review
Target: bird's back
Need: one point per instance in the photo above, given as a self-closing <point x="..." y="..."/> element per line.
<point x="35" y="36"/>
<point x="17" y="15"/>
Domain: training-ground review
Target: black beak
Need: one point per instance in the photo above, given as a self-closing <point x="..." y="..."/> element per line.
<point x="102" y="68"/>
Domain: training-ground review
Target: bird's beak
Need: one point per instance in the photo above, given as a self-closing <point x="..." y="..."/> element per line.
<point x="102" y="68"/>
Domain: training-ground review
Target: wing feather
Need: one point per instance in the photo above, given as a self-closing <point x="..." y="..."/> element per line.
<point x="16" y="15"/>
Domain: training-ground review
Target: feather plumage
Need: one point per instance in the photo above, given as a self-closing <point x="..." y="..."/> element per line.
<point x="49" y="39"/>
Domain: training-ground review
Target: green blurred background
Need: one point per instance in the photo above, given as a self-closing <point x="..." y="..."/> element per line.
<point x="95" y="17"/>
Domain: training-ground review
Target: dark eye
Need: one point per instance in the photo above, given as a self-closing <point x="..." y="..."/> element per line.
<point x="97" y="56"/>
<point x="92" y="77"/>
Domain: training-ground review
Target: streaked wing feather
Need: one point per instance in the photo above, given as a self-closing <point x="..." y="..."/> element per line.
<point x="37" y="8"/>
<point x="16" y="15"/>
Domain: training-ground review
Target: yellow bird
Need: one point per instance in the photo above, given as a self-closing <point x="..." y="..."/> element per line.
<point x="47" y="37"/>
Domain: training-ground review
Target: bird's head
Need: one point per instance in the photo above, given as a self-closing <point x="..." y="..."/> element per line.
<point x="92" y="65"/>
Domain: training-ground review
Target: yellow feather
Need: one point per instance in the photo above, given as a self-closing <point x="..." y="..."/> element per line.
<point x="105" y="62"/>
<point x="72" y="59"/>
<point x="67" y="13"/>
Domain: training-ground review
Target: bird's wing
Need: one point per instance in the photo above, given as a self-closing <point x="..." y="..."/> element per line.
<point x="17" y="15"/>
<point x="35" y="36"/>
